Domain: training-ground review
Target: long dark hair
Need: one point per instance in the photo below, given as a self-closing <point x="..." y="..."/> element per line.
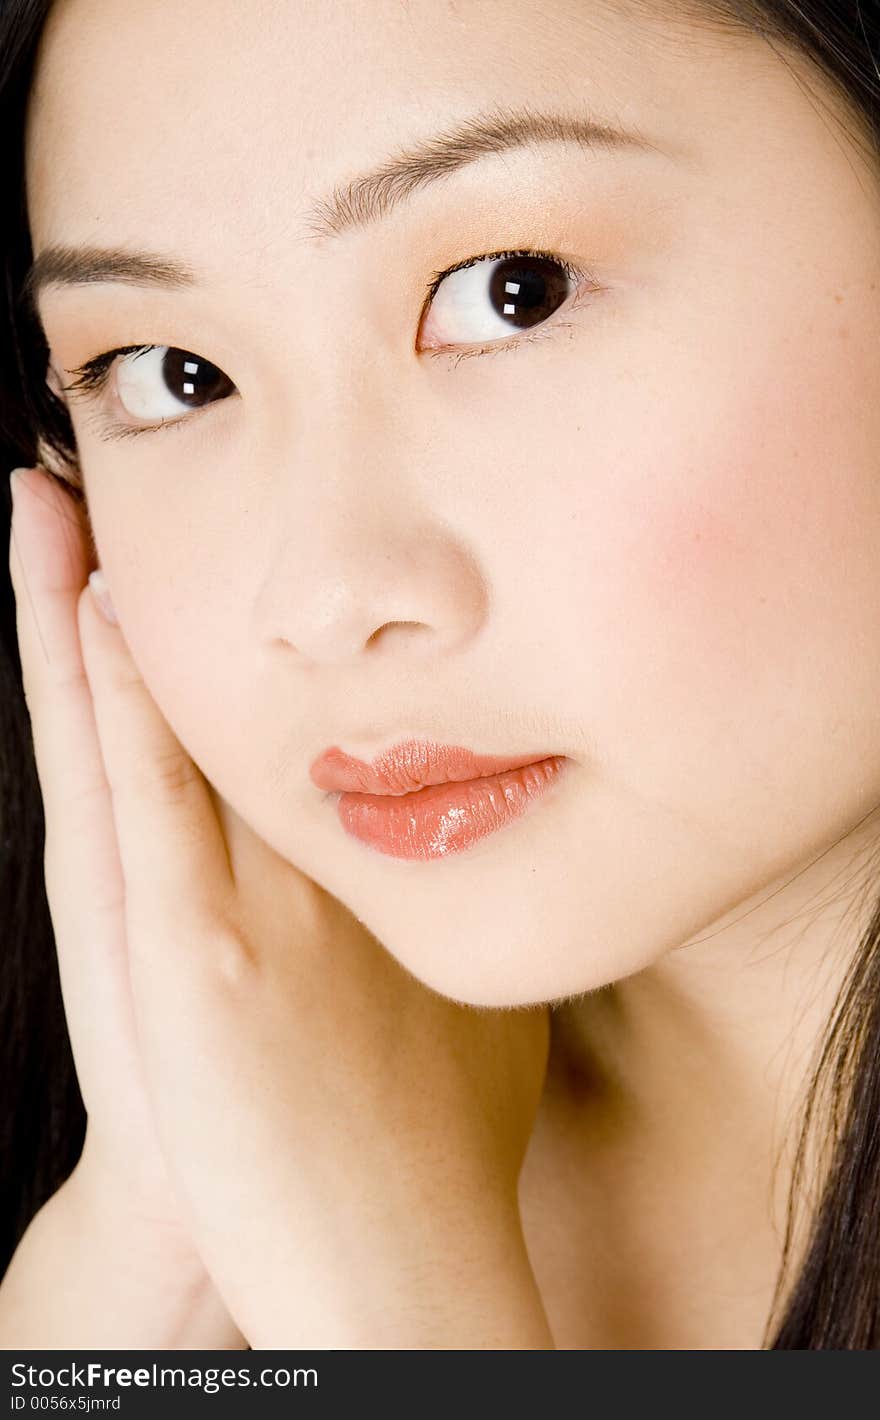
<point x="834" y="1301"/>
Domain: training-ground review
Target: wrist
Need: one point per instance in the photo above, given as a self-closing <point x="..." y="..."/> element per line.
<point x="83" y="1276"/>
<point x="462" y="1281"/>
<point x="150" y="1284"/>
<point x="113" y="1214"/>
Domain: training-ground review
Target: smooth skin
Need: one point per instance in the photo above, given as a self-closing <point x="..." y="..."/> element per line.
<point x="343" y="1145"/>
<point x="647" y="541"/>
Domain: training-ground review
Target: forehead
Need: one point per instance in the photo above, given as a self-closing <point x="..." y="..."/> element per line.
<point x="173" y="118"/>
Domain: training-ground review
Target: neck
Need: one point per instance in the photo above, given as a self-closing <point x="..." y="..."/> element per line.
<point x="673" y="1103"/>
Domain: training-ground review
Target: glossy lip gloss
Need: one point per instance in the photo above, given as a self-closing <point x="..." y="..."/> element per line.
<point x="443" y="816"/>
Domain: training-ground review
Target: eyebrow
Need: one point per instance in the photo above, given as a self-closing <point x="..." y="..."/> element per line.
<point x="367" y="198"/>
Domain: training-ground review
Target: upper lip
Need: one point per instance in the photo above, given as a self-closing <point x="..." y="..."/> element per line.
<point x="409" y="766"/>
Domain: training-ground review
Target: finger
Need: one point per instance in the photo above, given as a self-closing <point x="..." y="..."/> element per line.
<point x="49" y="559"/>
<point x="171" y="845"/>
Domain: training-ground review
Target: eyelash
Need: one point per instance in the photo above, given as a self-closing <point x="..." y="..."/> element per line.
<point x="91" y="377"/>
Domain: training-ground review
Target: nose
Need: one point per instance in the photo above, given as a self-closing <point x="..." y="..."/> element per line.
<point x="366" y="568"/>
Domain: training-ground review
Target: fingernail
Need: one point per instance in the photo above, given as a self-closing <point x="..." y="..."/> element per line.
<point x="98" y="585"/>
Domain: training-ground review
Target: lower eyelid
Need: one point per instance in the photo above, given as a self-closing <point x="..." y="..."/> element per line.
<point x="504" y="347"/>
<point x="106" y="426"/>
<point x="547" y="330"/>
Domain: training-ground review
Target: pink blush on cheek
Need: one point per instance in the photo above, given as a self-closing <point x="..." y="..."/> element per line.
<point x="704" y="595"/>
<point x="745" y="585"/>
<point x="681" y="551"/>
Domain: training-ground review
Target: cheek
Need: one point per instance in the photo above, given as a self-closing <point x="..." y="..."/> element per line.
<point x="742" y="581"/>
<point x="183" y="624"/>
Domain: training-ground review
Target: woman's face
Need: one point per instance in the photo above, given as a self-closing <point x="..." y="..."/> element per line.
<point x="645" y="540"/>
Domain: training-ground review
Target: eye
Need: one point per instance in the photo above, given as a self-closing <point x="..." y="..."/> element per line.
<point x="155" y="383"/>
<point x="502" y="294"/>
<point x="158" y="383"/>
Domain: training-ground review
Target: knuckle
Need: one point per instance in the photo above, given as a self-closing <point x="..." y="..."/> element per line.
<point x="168" y="778"/>
<point x="198" y="943"/>
<point x="220" y="967"/>
<point x="233" y="964"/>
<point x="80" y="793"/>
<point x="127" y="684"/>
<point x="44" y="696"/>
<point x="71" y="681"/>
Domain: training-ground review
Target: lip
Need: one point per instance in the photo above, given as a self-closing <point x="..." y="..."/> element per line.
<point x="408" y="766"/>
<point x="424" y="800"/>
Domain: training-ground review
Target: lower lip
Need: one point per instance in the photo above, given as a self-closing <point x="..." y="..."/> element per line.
<point x="446" y="818"/>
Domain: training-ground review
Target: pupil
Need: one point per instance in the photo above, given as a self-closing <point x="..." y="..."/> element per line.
<point x="527" y="290"/>
<point x="192" y="380"/>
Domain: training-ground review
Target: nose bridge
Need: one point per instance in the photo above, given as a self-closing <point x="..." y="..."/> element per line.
<point x="361" y="420"/>
<point x="351" y="408"/>
<point x="351" y="341"/>
<point x="369" y="383"/>
<point x="340" y="455"/>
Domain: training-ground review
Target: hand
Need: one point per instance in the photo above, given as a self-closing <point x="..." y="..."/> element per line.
<point x="346" y="1141"/>
<point x="49" y="559"/>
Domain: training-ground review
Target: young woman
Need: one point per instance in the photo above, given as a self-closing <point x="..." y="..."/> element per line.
<point x="457" y="854"/>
